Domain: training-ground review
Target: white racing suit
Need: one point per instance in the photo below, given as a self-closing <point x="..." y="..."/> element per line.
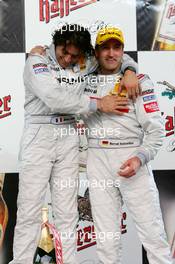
<point x="112" y="141"/>
<point x="52" y="97"/>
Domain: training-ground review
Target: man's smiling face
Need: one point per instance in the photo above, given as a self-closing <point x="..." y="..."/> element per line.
<point x="67" y="55"/>
<point x="109" y="55"/>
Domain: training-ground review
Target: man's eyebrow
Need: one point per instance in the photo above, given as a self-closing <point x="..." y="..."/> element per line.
<point x="70" y="53"/>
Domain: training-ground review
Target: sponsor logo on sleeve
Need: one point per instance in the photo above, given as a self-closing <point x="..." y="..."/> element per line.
<point x="151" y="107"/>
<point x="40" y="67"/>
<point x="41" y="70"/>
<point x="148" y="91"/>
<point x="149" y="98"/>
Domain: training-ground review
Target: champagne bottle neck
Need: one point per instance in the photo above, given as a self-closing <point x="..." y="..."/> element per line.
<point x="44" y="229"/>
<point x="46" y="241"/>
<point x="44" y="215"/>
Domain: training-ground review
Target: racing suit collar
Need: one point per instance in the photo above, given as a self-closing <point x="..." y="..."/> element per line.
<point x="98" y="72"/>
<point x="52" y="54"/>
<point x="106" y="77"/>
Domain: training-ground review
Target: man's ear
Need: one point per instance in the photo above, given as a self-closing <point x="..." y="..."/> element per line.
<point x="123" y="48"/>
<point x="96" y="53"/>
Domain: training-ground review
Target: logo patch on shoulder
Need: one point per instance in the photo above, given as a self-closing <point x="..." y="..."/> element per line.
<point x="40" y="67"/>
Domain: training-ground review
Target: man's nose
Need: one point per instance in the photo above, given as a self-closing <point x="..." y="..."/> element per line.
<point x="68" y="58"/>
<point x="111" y="52"/>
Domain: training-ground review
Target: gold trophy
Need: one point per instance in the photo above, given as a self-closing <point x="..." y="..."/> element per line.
<point x="115" y="90"/>
<point x="123" y="93"/>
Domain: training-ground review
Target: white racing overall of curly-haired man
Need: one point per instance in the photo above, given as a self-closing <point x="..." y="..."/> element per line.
<point x="51" y="101"/>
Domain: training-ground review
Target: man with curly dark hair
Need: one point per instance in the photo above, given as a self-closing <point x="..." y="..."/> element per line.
<point x="48" y="152"/>
<point x="77" y="36"/>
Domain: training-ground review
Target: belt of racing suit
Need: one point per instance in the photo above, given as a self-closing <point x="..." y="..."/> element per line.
<point x="52" y="119"/>
<point x="113" y="143"/>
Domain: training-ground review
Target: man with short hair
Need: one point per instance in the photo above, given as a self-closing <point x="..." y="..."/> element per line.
<point x="53" y="84"/>
<point x="119" y="157"/>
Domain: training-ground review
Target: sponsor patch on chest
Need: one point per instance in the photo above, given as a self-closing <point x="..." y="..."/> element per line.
<point x="91" y="90"/>
<point x="151" y="107"/>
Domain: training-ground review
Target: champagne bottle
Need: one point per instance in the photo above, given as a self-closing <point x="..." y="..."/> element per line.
<point x="45" y="252"/>
<point x="165" y="37"/>
<point x="3" y="211"/>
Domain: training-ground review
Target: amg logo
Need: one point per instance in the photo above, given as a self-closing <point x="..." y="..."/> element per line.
<point x="89" y="90"/>
<point x="50" y="9"/>
<point x="80" y="79"/>
<point x="55" y="68"/>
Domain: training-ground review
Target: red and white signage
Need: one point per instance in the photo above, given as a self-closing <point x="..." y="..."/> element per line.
<point x="155" y="64"/>
<point x="43" y="17"/>
<point x="11" y="109"/>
